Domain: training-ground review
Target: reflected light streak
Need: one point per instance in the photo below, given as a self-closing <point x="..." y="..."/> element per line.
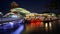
<point x="19" y="30"/>
<point x="46" y="26"/>
<point x="32" y="26"/>
<point x="42" y="24"/>
<point x="38" y="24"/>
<point x="50" y="25"/>
<point x="28" y="28"/>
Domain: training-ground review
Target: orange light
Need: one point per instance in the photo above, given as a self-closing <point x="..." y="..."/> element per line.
<point x="32" y="20"/>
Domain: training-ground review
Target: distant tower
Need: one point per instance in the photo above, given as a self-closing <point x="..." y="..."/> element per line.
<point x="14" y="5"/>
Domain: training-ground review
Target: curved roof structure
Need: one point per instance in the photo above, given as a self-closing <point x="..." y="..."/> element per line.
<point x="21" y="11"/>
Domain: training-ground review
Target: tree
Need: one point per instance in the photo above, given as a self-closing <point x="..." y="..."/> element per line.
<point x="14" y="5"/>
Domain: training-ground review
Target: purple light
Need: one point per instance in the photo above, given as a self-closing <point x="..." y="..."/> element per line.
<point x="19" y="30"/>
<point x="11" y="23"/>
<point x="20" y="21"/>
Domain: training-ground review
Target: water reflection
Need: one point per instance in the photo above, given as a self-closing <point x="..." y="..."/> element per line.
<point x="18" y="30"/>
<point x="15" y="27"/>
<point x="48" y="27"/>
<point x="28" y="28"/>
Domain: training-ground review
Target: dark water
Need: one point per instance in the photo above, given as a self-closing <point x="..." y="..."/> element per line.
<point x="53" y="28"/>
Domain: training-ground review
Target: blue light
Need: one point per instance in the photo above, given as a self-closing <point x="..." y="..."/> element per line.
<point x="11" y="23"/>
<point x="19" y="30"/>
<point x="14" y="16"/>
<point x="21" y="21"/>
<point x="6" y="26"/>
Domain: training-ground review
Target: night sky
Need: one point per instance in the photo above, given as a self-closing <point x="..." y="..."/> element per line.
<point x="31" y="5"/>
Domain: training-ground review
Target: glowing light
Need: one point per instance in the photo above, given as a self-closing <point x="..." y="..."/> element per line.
<point x="1" y="13"/>
<point x="46" y="25"/>
<point x="32" y="22"/>
<point x="21" y="21"/>
<point x="38" y="22"/>
<point x="50" y="25"/>
<point x="14" y="16"/>
<point x="19" y="30"/>
<point x="32" y="25"/>
<point x="21" y="10"/>
<point x="11" y="23"/>
<point x="42" y="24"/>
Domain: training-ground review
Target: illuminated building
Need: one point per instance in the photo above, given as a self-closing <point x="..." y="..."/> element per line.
<point x="15" y="8"/>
